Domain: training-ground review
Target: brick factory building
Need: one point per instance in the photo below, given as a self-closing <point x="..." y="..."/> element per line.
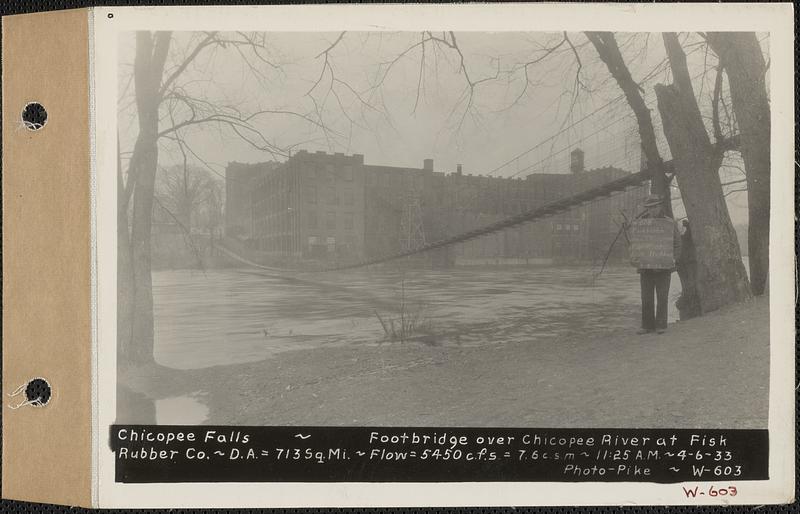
<point x="333" y="207"/>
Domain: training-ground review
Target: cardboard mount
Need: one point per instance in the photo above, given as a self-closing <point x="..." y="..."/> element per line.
<point x="47" y="450"/>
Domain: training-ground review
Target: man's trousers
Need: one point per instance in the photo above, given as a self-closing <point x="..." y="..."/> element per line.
<point x="654" y="314"/>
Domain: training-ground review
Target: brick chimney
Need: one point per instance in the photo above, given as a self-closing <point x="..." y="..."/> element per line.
<point x="576" y="161"/>
<point x="427" y="165"/>
<point x="458" y="169"/>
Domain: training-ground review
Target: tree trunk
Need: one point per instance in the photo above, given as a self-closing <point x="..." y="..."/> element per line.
<point x="142" y="319"/>
<point x="608" y="50"/>
<point x="721" y="278"/>
<point x="740" y="55"/>
<point x="124" y="270"/>
<point x="151" y="53"/>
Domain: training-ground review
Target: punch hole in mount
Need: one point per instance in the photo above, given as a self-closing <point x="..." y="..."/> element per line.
<point x="34" y="116"/>
<point x="37" y="393"/>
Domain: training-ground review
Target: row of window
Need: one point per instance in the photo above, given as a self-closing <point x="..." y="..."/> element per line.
<point x="331" y="196"/>
<point x="348" y="220"/>
<point x="394" y="179"/>
<point x="566" y="227"/>
<point x="330" y="244"/>
<point x="331" y="173"/>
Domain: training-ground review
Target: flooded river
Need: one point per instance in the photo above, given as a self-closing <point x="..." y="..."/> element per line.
<point x="231" y="316"/>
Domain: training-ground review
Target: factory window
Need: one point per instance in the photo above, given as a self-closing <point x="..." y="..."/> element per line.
<point x="347" y="173"/>
<point x="333" y="197"/>
<point x="322" y="176"/>
<point x="348" y="220"/>
<point x="331" y="244"/>
<point x="576" y="228"/>
<point x="345" y="245"/>
<point x="348" y="196"/>
<point x="558" y="227"/>
<point x="312" y="219"/>
<point x="311" y="194"/>
<point x="330" y="220"/>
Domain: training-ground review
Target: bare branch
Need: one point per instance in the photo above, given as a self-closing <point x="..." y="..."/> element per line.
<point x="209" y="39"/>
<point x="577" y="59"/>
<point x="187" y="234"/>
<point x="715" y="105"/>
<point x="257" y="47"/>
<point x="469" y="92"/>
<point x="332" y="45"/>
<point x="609" y="53"/>
<point x="390" y="64"/>
<point x="326" y="66"/>
<point x="419" y="80"/>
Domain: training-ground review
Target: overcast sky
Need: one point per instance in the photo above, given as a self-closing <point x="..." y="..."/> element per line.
<point x="382" y="95"/>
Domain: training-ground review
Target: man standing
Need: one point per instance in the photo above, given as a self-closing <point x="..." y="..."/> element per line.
<point x="654" y="280"/>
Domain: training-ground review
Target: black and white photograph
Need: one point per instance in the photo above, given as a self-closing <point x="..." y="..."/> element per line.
<point x="444" y="228"/>
<point x="400" y="255"/>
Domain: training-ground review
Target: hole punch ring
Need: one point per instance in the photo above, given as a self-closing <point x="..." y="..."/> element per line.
<point x="34" y="116"/>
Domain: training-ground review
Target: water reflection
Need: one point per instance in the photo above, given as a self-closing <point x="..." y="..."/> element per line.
<point x="233" y="316"/>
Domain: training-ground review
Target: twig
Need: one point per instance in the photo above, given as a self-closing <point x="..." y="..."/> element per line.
<point x="622" y="229"/>
<point x="187" y="234"/>
<point x="385" y="330"/>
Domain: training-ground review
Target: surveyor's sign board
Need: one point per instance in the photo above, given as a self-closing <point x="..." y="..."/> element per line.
<point x="651" y="243"/>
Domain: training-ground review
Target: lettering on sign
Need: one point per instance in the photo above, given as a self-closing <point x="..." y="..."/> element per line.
<point x="651" y="243"/>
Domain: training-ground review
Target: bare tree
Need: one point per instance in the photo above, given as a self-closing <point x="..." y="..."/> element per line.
<point x="741" y="57"/>
<point x="721" y="278"/>
<point x="166" y="110"/>
<point x="135" y="342"/>
<point x="187" y="191"/>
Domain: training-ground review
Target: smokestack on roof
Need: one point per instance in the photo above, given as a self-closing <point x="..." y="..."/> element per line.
<point x="458" y="169"/>
<point x="427" y="165"/>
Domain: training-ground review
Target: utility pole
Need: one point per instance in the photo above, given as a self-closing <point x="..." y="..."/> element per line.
<point x="412" y="230"/>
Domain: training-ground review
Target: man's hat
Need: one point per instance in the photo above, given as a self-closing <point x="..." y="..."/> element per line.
<point x="652" y="201"/>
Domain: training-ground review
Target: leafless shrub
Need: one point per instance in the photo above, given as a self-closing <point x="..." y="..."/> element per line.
<point x="410" y="323"/>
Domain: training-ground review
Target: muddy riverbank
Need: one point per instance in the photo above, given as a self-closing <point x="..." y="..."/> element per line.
<point x="708" y="372"/>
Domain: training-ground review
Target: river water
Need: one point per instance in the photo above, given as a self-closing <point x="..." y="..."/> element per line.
<point x="232" y="316"/>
